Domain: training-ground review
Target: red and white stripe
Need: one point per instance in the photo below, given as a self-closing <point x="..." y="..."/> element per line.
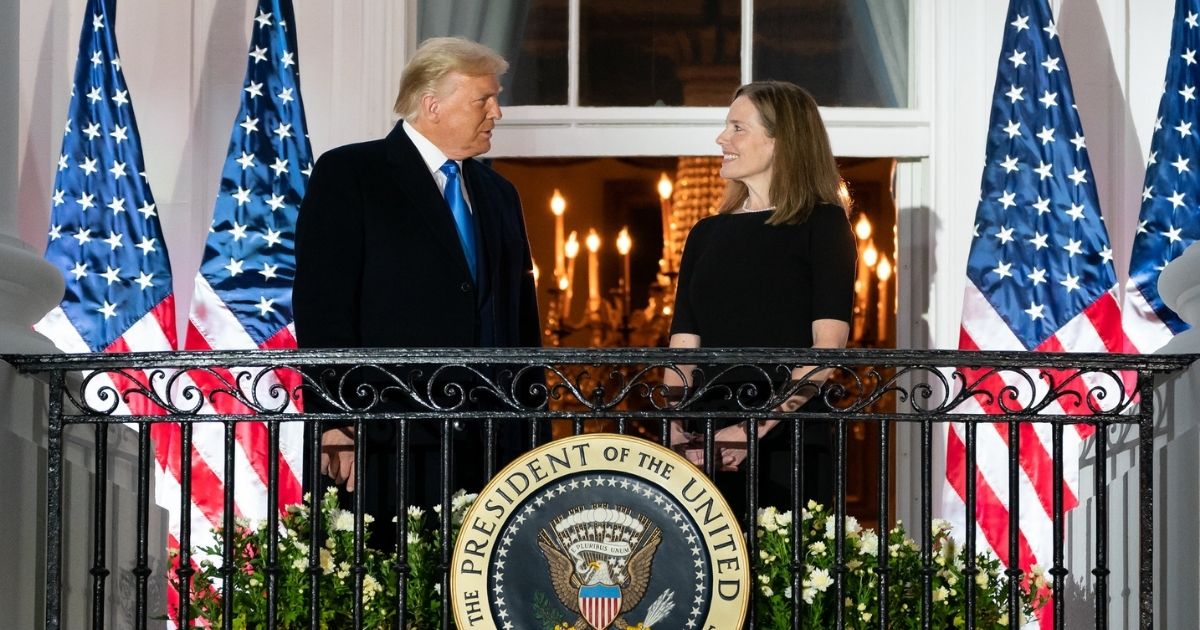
<point x="1147" y="333"/>
<point x="599" y="611"/>
<point x="1097" y="329"/>
<point x="211" y="325"/>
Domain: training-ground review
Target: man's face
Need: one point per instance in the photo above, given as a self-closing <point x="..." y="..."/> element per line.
<point x="466" y="111"/>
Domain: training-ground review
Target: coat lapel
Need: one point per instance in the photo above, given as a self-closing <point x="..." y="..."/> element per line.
<point x="424" y="198"/>
<point x="487" y="211"/>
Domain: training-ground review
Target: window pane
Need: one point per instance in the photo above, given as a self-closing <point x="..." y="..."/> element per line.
<point x="847" y="53"/>
<point x="531" y="34"/>
<point x="660" y="52"/>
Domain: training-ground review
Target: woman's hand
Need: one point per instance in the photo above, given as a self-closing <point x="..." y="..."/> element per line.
<point x="337" y="456"/>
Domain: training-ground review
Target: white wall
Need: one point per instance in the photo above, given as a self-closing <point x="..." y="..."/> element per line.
<point x="184" y="61"/>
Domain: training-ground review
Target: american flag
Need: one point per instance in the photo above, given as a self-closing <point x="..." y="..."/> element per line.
<point x="1170" y="216"/>
<point x="1040" y="278"/>
<point x="104" y="231"/>
<point x="243" y="290"/>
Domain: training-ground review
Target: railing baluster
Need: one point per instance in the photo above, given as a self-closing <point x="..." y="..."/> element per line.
<point x="798" y="565"/>
<point x="972" y="430"/>
<point x="272" y="522"/>
<point x="1101" y="489"/>
<point x="1058" y="572"/>
<point x="313" y="432"/>
<point x="444" y="526"/>
<point x="1013" y="570"/>
<point x="228" y="567"/>
<point x="360" y="492"/>
<point x="884" y="494"/>
<point x="402" y="426"/>
<point x="839" y="526"/>
<point x="184" y="570"/>
<point x="749" y="518"/>
<point x="489" y="447"/>
<point x="1145" y="386"/>
<point x="99" y="517"/>
<point x="141" y="568"/>
<point x="926" y="524"/>
<point x="54" y="499"/>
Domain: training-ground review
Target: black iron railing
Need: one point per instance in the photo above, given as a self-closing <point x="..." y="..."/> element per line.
<point x="500" y="388"/>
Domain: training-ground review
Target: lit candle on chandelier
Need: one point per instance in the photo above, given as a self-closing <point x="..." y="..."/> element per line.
<point x="862" y="276"/>
<point x="664" y="195"/>
<point x="593" y="246"/>
<point x="624" y="244"/>
<point x="558" y="205"/>
<point x="884" y="272"/>
<point x="568" y="281"/>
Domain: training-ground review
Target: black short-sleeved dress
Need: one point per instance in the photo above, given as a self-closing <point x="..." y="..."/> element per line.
<point x="746" y="284"/>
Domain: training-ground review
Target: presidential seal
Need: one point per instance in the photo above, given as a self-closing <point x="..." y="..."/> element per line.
<point x="600" y="532"/>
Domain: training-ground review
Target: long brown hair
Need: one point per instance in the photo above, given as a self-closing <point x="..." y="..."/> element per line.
<point x="804" y="172"/>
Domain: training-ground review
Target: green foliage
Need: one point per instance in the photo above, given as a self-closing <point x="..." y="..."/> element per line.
<point x="817" y="604"/>
<point x="336" y="573"/>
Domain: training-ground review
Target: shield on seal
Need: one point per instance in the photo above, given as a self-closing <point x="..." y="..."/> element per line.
<point x="599" y="604"/>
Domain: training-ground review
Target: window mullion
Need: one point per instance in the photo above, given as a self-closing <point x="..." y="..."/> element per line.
<point x="573" y="53"/>
<point x="747" y="40"/>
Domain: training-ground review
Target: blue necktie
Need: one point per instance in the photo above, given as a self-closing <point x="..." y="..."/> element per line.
<point x="462" y="214"/>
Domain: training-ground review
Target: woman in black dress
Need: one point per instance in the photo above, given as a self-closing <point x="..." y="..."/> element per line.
<point x="773" y="269"/>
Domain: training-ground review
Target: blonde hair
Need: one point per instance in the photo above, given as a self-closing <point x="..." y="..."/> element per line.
<point x="434" y="60"/>
<point x="804" y="172"/>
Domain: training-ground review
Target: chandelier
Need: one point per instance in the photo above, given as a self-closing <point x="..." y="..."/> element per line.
<point x="609" y="315"/>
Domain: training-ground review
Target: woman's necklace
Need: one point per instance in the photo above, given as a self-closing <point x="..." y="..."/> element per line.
<point x="746" y="207"/>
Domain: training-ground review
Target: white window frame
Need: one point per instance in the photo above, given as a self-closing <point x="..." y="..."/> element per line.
<point x="572" y="130"/>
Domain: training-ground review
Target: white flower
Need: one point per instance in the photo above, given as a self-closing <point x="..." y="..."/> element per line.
<point x="808" y="594"/>
<point x="413" y="538"/>
<point x="370" y="587"/>
<point x="940" y="594"/>
<point x="301" y="563"/>
<point x="415" y="511"/>
<point x="852" y="526"/>
<point x="462" y="500"/>
<point x="784" y="519"/>
<point x="940" y="525"/>
<point x="869" y="543"/>
<point x="817" y="548"/>
<point x="343" y="521"/>
<point x="819" y="579"/>
<point x="326" y="561"/>
<point x="766" y="519"/>
<point x="766" y="590"/>
<point x="982" y="579"/>
<point x="787" y="592"/>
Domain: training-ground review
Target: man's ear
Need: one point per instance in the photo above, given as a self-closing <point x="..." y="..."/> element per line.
<point x="430" y="106"/>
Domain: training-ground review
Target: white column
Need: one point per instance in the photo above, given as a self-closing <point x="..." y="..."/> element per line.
<point x="1177" y="457"/>
<point x="1176" y="488"/>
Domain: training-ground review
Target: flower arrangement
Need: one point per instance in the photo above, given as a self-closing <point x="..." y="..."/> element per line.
<point x="774" y="598"/>
<point x="336" y="580"/>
